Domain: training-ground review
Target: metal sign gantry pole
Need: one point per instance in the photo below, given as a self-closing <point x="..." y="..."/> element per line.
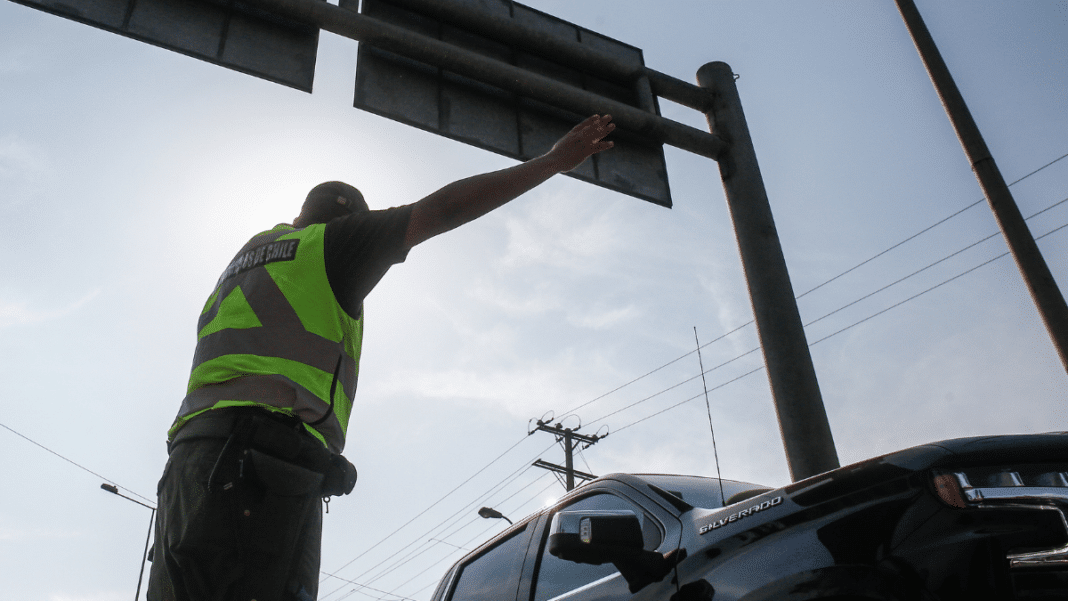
<point x="806" y="433"/>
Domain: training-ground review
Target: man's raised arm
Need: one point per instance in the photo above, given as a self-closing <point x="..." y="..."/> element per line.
<point x="471" y="198"/>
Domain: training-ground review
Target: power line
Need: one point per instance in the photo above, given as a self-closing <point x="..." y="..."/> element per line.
<point x="922" y="269"/>
<point x="482" y="533"/>
<point x="1056" y="204"/>
<point x="390" y="535"/>
<point x="851" y="269"/>
<point x="536" y="495"/>
<point x="693" y="398"/>
<point x="582" y="455"/>
<point x="431" y="506"/>
<point x="477" y="536"/>
<point x="926" y="229"/>
<point x="414" y="553"/>
<point x="913" y="297"/>
<point x="676" y="360"/>
<point x="894" y="283"/>
<point x="78" y="465"/>
<point x="753" y="350"/>
<point x="445" y="525"/>
<point x="939" y="285"/>
<point x="364" y="586"/>
<point x="670" y="388"/>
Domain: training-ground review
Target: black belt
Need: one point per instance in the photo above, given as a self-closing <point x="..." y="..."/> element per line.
<point x="278" y="435"/>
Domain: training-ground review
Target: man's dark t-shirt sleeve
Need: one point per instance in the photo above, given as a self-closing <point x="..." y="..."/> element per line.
<point x="359" y="249"/>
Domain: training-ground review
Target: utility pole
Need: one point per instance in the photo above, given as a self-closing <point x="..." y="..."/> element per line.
<point x="1036" y="274"/>
<point x="570" y="439"/>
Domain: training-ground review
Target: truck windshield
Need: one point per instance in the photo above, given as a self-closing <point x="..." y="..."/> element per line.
<point x="704" y="492"/>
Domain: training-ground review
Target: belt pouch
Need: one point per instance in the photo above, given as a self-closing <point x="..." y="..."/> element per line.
<point x="283" y="478"/>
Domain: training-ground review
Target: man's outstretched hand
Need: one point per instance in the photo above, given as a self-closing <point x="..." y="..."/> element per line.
<point x="470" y="198"/>
<point x="585" y="139"/>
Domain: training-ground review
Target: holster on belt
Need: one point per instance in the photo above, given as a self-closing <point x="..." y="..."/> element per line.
<point x="273" y="448"/>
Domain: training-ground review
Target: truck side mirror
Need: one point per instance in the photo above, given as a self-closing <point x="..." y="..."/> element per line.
<point x="595" y="537"/>
<point x="598" y="537"/>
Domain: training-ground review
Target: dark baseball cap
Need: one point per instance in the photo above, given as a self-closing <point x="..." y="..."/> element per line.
<point x="330" y="200"/>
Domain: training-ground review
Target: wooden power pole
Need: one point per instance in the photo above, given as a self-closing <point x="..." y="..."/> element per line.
<point x="570" y="439"/>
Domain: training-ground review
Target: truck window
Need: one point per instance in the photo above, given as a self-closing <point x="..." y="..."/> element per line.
<point x="493" y="575"/>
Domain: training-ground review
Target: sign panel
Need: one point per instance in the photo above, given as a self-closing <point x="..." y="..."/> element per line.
<point x="482" y="115"/>
<point x="230" y="33"/>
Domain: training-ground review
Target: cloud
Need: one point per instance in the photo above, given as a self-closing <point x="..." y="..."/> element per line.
<point x="8" y="534"/>
<point x="520" y="392"/>
<point x="516" y="302"/>
<point x="545" y="298"/>
<point x="600" y="318"/>
<point x="23" y="168"/>
<point x="20" y="160"/>
<point x="99" y="596"/>
<point x="558" y="232"/>
<point x="524" y="389"/>
<point x="14" y="61"/>
<point x="21" y="312"/>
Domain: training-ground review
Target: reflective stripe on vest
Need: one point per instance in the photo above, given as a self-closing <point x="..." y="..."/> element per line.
<point x="271" y="335"/>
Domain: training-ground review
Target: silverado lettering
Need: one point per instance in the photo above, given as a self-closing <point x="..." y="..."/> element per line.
<point x="734" y="517"/>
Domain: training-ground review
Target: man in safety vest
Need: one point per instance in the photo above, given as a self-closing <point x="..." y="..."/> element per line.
<point x="257" y="442"/>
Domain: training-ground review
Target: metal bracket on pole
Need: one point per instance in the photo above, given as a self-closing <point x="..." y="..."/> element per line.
<point x="569" y="474"/>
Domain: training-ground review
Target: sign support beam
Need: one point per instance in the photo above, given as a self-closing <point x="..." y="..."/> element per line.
<point x="431" y="51"/>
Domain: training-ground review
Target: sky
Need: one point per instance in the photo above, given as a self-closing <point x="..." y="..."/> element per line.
<point x="130" y="175"/>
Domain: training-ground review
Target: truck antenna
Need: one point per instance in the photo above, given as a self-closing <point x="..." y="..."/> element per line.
<point x="708" y="406"/>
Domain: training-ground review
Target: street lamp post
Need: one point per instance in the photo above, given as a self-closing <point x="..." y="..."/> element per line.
<point x="111" y="488"/>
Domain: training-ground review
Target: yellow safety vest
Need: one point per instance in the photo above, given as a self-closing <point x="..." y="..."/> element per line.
<point x="272" y="335"/>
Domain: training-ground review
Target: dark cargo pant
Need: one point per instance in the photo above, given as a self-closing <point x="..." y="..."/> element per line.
<point x="254" y="535"/>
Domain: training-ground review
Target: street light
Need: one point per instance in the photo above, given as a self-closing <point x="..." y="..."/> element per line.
<point x="488" y="513"/>
<point x="111" y="488"/>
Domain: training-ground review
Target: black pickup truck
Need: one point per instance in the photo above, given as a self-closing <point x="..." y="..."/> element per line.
<point x="969" y="519"/>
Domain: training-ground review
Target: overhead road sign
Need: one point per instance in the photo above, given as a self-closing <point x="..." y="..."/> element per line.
<point x="425" y="49"/>
<point x="557" y="45"/>
<point x="432" y="51"/>
<point x="466" y="109"/>
<point x="238" y="35"/>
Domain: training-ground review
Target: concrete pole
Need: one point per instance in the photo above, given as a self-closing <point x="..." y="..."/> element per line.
<point x="1036" y="274"/>
<point x="806" y="433"/>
